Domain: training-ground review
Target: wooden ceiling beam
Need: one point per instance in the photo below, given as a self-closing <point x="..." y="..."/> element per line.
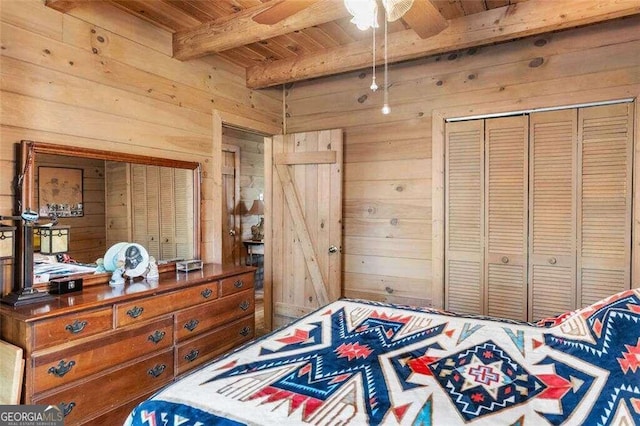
<point x="517" y="20"/>
<point x="63" y="6"/>
<point x="425" y="19"/>
<point x="241" y="29"/>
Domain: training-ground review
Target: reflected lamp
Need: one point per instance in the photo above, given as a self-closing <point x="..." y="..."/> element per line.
<point x="53" y="239"/>
<point x="7" y="242"/>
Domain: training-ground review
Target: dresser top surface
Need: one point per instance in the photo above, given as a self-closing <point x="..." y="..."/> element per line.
<point x="104" y="295"/>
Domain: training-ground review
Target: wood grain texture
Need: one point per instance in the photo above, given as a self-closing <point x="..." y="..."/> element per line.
<point x="241" y="29"/>
<point x="526" y="19"/>
<point x="100" y="77"/>
<point x="603" y="52"/>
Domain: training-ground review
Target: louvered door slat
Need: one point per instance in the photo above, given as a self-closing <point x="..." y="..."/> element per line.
<point x="604" y="211"/>
<point x="464" y="216"/>
<point x="552" y="220"/>
<point x="506" y="181"/>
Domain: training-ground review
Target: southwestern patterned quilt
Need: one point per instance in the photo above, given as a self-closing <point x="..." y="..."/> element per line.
<point x="355" y="362"/>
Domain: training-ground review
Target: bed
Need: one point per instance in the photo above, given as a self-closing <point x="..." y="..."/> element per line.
<point x="359" y="362"/>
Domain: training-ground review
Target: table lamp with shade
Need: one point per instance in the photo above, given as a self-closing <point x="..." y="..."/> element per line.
<point x="257" y="230"/>
<point x="24" y="293"/>
<point x="54" y="239"/>
<point x="7" y="242"/>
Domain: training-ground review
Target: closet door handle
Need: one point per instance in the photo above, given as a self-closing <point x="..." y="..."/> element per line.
<point x="553" y="260"/>
<point x="505" y="259"/>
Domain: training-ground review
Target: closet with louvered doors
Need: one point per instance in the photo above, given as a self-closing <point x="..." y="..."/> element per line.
<point x="162" y="211"/>
<point x="538" y="211"/>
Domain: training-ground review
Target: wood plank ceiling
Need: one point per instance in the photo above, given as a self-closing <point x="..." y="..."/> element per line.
<point x="311" y="38"/>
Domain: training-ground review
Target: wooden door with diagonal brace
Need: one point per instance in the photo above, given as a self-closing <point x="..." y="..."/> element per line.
<point x="304" y="205"/>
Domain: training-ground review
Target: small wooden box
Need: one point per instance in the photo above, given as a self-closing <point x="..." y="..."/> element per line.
<point x="188" y="265"/>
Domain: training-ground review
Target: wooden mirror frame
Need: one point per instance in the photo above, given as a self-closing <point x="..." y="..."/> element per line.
<point x="26" y="177"/>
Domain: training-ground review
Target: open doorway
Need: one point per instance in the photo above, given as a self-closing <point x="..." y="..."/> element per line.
<point x="243" y="188"/>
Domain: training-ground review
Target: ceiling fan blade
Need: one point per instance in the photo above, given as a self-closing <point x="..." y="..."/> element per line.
<point x="281" y="11"/>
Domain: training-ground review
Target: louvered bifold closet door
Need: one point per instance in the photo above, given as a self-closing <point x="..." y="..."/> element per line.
<point x="552" y="212"/>
<point x="506" y="205"/>
<point x="145" y="183"/>
<point x="167" y="214"/>
<point x="183" y="205"/>
<point x="604" y="211"/>
<point x="464" y="272"/>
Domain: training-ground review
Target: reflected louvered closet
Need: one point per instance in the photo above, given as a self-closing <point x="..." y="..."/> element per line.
<point x="538" y="211"/>
<point x="162" y="210"/>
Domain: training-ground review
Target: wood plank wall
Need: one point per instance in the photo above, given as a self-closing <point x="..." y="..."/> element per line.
<point x="100" y="78"/>
<point x="388" y="159"/>
<point x="251" y="173"/>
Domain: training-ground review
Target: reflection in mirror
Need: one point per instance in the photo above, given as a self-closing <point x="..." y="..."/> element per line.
<point x="105" y="201"/>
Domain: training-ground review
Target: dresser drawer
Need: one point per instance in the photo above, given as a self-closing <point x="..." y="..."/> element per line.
<point x="235" y="284"/>
<point x="207" y="346"/>
<point x="98" y="394"/>
<point x="143" y="309"/>
<point x="197" y="320"/>
<point x="118" y="415"/>
<point x="73" y="326"/>
<point x="72" y="363"/>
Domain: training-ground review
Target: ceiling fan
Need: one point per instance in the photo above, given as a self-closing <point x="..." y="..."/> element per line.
<point x="395" y="9"/>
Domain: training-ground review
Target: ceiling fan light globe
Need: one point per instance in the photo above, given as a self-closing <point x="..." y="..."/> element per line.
<point x="364" y="12"/>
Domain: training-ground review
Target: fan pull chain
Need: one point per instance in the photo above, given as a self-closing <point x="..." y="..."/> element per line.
<point x="385" y="107"/>
<point x="374" y="85"/>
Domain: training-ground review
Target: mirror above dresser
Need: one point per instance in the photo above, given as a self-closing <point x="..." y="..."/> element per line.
<point x="108" y="197"/>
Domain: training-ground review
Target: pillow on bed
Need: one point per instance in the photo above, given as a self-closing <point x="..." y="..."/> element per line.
<point x="585" y="312"/>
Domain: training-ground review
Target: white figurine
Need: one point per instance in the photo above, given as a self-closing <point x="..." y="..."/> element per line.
<point x="116" y="278"/>
<point x="152" y="270"/>
<point x="100" y="266"/>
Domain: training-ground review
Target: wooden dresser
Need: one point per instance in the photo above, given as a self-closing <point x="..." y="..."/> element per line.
<point x="101" y="351"/>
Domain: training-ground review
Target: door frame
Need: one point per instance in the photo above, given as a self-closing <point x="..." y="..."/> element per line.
<point x="214" y="245"/>
<point x="438" y="119"/>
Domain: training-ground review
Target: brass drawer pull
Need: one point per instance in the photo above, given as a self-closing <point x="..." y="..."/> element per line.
<point x="157" y="370"/>
<point x="192" y="355"/>
<point x="62" y="368"/>
<point x="135" y="312"/>
<point x="156" y="336"/>
<point x="245" y="331"/>
<point x="238" y="284"/>
<point x="67" y="408"/>
<point x="191" y="324"/>
<point x="245" y="305"/>
<point x="76" y="327"/>
<point x="206" y="293"/>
